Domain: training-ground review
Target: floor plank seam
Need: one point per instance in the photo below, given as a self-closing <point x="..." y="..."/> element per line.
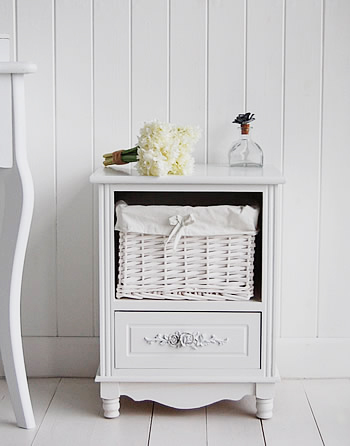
<point x="48" y="406"/>
<point x="150" y="426"/>
<point x="263" y="432"/>
<point x="314" y="417"/>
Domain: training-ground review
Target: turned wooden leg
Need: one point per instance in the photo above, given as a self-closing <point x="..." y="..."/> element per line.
<point x="264" y="408"/>
<point x="111" y="407"/>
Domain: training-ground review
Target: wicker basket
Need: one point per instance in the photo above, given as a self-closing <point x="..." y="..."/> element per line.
<point x="211" y="267"/>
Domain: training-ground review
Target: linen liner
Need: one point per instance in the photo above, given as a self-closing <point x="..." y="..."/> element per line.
<point x="208" y="220"/>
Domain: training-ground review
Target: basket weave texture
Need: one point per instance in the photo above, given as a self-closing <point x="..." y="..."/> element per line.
<point x="201" y="268"/>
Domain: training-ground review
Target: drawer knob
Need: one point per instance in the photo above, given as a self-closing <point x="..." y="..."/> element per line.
<point x="180" y="339"/>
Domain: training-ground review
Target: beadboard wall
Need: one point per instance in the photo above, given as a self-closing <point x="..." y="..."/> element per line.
<point x="105" y="67"/>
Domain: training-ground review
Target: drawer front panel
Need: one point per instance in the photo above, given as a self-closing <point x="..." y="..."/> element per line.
<point x="187" y="340"/>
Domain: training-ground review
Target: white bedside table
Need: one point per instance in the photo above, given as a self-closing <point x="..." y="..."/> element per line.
<point x="183" y="377"/>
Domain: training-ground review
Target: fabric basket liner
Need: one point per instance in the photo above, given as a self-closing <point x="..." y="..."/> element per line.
<point x="206" y="220"/>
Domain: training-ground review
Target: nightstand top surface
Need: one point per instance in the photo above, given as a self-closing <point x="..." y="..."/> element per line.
<point x="203" y="174"/>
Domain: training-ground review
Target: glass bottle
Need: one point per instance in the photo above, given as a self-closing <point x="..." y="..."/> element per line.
<point x="245" y="152"/>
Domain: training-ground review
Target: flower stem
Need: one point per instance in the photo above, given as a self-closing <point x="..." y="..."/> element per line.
<point x="130" y="155"/>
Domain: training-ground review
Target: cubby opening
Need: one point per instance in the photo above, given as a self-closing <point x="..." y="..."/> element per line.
<point x="254" y="199"/>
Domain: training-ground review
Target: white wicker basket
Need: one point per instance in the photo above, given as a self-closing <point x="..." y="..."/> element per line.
<point x="211" y="267"/>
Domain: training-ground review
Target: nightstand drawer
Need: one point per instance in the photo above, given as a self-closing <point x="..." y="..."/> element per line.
<point x="187" y="340"/>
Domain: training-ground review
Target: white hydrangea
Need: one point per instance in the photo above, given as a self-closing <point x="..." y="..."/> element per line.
<point x="164" y="148"/>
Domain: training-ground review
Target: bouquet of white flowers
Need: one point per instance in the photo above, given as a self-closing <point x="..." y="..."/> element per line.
<point x="162" y="149"/>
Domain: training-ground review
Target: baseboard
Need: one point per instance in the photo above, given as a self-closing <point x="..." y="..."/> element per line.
<point x="314" y="357"/>
<point x="79" y="356"/>
<point x="60" y="356"/>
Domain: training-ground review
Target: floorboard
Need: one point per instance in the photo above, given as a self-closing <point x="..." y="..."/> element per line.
<point x="234" y="423"/>
<point x="176" y="427"/>
<point x="75" y="418"/>
<point x="71" y="414"/>
<point x="68" y="413"/>
<point x="42" y="391"/>
<point x="131" y="428"/>
<point x="330" y="402"/>
<point x="292" y="422"/>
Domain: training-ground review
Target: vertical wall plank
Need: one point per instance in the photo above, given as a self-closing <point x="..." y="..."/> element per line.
<point x="225" y="75"/>
<point x="74" y="165"/>
<point x="149" y="63"/>
<point x="35" y="43"/>
<point x="7" y="23"/>
<point x="111" y="89"/>
<point x="334" y="305"/>
<point x="174" y="77"/>
<point x="111" y="76"/>
<point x="264" y="74"/>
<point x="188" y="67"/>
<point x="302" y="165"/>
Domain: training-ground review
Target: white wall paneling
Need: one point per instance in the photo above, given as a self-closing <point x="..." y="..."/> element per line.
<point x="35" y="30"/>
<point x="264" y="74"/>
<point x="334" y="304"/>
<point x="188" y="68"/>
<point x="74" y="162"/>
<point x="106" y="66"/>
<point x="112" y="92"/>
<point x="111" y="75"/>
<point x="225" y="75"/>
<point x="302" y="167"/>
<point x="149" y="76"/>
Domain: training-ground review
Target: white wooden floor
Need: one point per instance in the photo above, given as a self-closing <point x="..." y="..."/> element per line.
<point x="68" y="412"/>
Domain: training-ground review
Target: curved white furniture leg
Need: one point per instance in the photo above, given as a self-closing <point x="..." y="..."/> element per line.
<point x="15" y="226"/>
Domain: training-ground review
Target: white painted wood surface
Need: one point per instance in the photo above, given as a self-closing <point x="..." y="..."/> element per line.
<point x="16" y="215"/>
<point x="310" y="412"/>
<point x="42" y="392"/>
<point x="203" y="175"/>
<point x="188" y="68"/>
<point x="204" y="72"/>
<point x="6" y="157"/>
<point x="246" y="340"/>
<point x="225" y="75"/>
<point x="334" y="240"/>
<point x="74" y="161"/>
<point x="237" y="334"/>
<point x="330" y="405"/>
<point x="314" y="357"/>
<point x="234" y="423"/>
<point x="264" y="76"/>
<point x="302" y="167"/>
<point x="149" y="92"/>
<point x="78" y="401"/>
<point x="178" y="427"/>
<point x="132" y="429"/>
<point x="74" y="399"/>
<point x="40" y="115"/>
<point x="293" y="422"/>
<point x="112" y="100"/>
